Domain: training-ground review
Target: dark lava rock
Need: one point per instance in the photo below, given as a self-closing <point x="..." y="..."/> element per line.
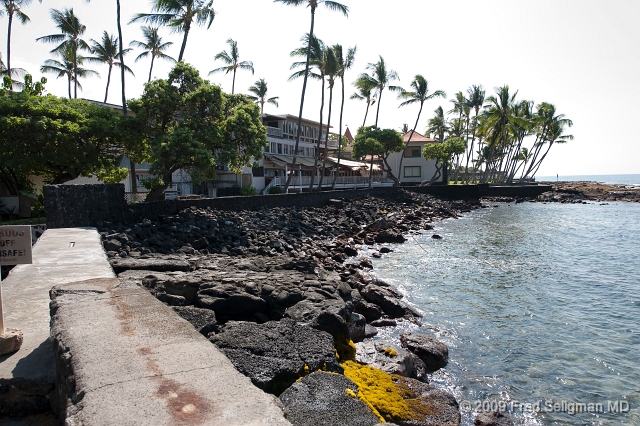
<point x="275" y="354"/>
<point x="158" y="264"/>
<point x="390" y="358"/>
<point x="387" y="236"/>
<point x="112" y="245"/>
<point x="370" y="311"/>
<point x="435" y="354"/>
<point x="384" y="298"/>
<point x="236" y="306"/>
<point x="204" y="320"/>
<point x="321" y="399"/>
<point x="370" y="331"/>
<point x="328" y="315"/>
<point x="436" y="237"/>
<point x="385" y="250"/>
<point x="494" y="419"/>
<point x="384" y="322"/>
<point x="430" y="407"/>
<point x="357" y="327"/>
<point x="350" y="251"/>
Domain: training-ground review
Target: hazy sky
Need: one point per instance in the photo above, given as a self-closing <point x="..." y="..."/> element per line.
<point x="581" y="55"/>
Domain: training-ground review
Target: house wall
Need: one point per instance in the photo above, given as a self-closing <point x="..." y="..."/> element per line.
<point x="427" y="167"/>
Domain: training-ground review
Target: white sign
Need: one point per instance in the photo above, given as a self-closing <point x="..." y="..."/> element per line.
<point x="15" y="245"/>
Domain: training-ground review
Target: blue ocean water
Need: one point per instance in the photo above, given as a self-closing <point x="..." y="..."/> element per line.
<point x="538" y="303"/>
<point x="612" y="179"/>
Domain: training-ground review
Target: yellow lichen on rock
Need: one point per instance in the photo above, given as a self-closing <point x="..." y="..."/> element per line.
<point x="390" y="352"/>
<point x="351" y="393"/>
<point x="377" y="390"/>
<point x="345" y="349"/>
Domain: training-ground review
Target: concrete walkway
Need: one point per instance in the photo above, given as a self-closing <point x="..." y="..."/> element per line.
<point x="60" y="256"/>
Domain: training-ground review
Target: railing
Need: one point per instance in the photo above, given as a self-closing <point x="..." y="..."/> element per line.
<point x="137" y="197"/>
<point x="341" y="181"/>
<point x="274" y="131"/>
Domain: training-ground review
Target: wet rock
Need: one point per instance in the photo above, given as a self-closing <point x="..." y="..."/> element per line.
<point x="387" y="236"/>
<point x="429" y="407"/>
<point x="350" y="251"/>
<point x="328" y="315"/>
<point x="235" y="306"/>
<point x="323" y="399"/>
<point x="384" y="322"/>
<point x="370" y="311"/>
<point x="436" y="237"/>
<point x="384" y="298"/>
<point x="494" y="419"/>
<point x="274" y="355"/>
<point x="204" y="320"/>
<point x="388" y="357"/>
<point x="385" y="250"/>
<point x="357" y="327"/>
<point x="433" y="353"/>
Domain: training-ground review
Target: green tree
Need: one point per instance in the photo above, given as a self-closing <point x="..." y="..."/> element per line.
<point x="179" y="15"/>
<point x="107" y="52"/>
<point x="67" y="66"/>
<point x="419" y="95"/>
<point x="232" y="59"/>
<point x="62" y="139"/>
<point x="191" y="124"/>
<point x="381" y="79"/>
<point x="15" y="72"/>
<point x="71" y="31"/>
<point x="312" y="5"/>
<point x="438" y="126"/>
<point x="259" y="89"/>
<point x="345" y="62"/>
<point x="443" y="153"/>
<point x="153" y="45"/>
<point x="13" y="8"/>
<point x="364" y="92"/>
<point x="390" y="141"/>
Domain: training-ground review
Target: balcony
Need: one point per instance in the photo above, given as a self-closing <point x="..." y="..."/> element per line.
<point x="274" y="131"/>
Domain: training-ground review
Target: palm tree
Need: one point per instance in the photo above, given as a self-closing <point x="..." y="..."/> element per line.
<point x="331" y="70"/>
<point x="259" y="89"/>
<point x="107" y="52"/>
<point x="180" y="15"/>
<point x="317" y="59"/>
<point x="344" y="63"/>
<point x="13" y="8"/>
<point x="153" y="46"/>
<point x="420" y="94"/>
<point x="365" y="88"/>
<point x="70" y="32"/>
<point x="67" y="67"/>
<point x="551" y="130"/>
<point x="438" y="127"/>
<point x="475" y="98"/>
<point x="313" y="5"/>
<point x="381" y="78"/>
<point x="232" y="60"/>
<point x="15" y="72"/>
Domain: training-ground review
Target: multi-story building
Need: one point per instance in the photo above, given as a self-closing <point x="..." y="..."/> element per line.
<point x="415" y="168"/>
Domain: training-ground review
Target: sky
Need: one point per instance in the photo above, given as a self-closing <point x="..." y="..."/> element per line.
<point x="580" y="55"/>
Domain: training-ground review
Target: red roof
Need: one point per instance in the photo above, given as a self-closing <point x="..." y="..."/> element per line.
<point x="417" y="137"/>
<point x="347" y="134"/>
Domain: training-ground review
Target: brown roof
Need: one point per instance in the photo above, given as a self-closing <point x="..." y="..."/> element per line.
<point x="347" y="134"/>
<point x="417" y="137"/>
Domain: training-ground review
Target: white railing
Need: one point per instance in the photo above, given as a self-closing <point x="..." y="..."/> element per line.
<point x="274" y="131"/>
<point x="341" y="181"/>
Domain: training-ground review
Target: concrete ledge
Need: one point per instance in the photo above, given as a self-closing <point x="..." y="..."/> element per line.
<point x="125" y="358"/>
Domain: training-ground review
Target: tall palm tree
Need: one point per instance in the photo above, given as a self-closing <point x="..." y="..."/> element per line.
<point x="15" y="72"/>
<point x="438" y="126"/>
<point x="420" y="94"/>
<point x="107" y="52"/>
<point x="179" y="15"/>
<point x="365" y="88"/>
<point x="318" y="60"/>
<point x="475" y="98"/>
<point x="381" y="78"/>
<point x="551" y="130"/>
<point x="232" y="59"/>
<point x="259" y="89"/>
<point x="312" y="5"/>
<point x="13" y="8"/>
<point x="71" y="31"/>
<point x="344" y="64"/>
<point x="67" y="67"/>
<point x="331" y="71"/>
<point x="152" y="45"/>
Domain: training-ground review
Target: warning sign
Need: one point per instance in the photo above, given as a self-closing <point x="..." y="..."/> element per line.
<point x="15" y="245"/>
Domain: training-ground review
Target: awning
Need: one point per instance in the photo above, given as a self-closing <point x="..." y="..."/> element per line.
<point x="282" y="160"/>
<point x="354" y="165"/>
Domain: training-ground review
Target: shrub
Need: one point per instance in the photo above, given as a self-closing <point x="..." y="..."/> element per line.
<point x="275" y="190"/>
<point x="248" y="190"/>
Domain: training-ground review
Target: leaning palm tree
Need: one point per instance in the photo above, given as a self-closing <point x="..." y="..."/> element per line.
<point x="420" y="94"/>
<point x="475" y="98"/>
<point x="344" y="63"/>
<point x="69" y="38"/>
<point x="107" y="52"/>
<point x="332" y="70"/>
<point x="365" y="93"/>
<point x="152" y="45"/>
<point x="179" y="15"/>
<point x="67" y="67"/>
<point x="313" y="5"/>
<point x="13" y="8"/>
<point x="232" y="59"/>
<point x="259" y="89"/>
<point x="381" y="78"/>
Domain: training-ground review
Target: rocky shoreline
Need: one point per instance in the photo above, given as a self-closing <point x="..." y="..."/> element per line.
<point x="582" y="191"/>
<point x="286" y="296"/>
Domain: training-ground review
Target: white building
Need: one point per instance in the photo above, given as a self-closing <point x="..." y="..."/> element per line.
<point x="415" y="168"/>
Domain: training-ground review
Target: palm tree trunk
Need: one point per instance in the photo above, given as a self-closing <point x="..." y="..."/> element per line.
<point x="106" y="93"/>
<point x="335" y="176"/>
<point x="75" y="70"/>
<point x="365" y="114"/>
<point x="304" y="89"/>
<point x="473" y="138"/>
<point x="69" y="84"/>
<point x="319" y="142"/>
<point x="371" y="172"/>
<point x="378" y="110"/>
<point x="407" y="144"/>
<point x="122" y="67"/>
<point x="326" y="139"/>
<point x="153" y="57"/>
<point x="9" y="47"/>
<point x="187" y="27"/>
<point x="233" y="85"/>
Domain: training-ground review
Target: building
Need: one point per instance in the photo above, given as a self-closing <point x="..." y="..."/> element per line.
<point x="415" y="168"/>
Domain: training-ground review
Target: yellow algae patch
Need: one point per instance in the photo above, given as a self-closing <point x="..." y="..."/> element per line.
<point x="377" y="390"/>
<point x="306" y="369"/>
<point x="390" y="352"/>
<point x="345" y="349"/>
<point x="351" y="393"/>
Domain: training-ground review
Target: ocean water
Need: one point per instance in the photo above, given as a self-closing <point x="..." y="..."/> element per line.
<point x="612" y="179"/>
<point x="538" y="303"/>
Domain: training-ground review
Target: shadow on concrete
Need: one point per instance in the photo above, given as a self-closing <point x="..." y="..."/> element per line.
<point x="38" y="365"/>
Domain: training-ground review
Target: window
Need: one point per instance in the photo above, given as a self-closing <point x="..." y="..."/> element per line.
<point x="286" y="149"/>
<point x="279" y="148"/>
<point x="257" y="171"/>
<point x="306" y="152"/>
<point x="412" y="171"/>
<point x="412" y="152"/>
<point x="273" y="148"/>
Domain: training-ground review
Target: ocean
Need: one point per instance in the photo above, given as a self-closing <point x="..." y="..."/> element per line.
<point x="539" y="305"/>
<point x="611" y="179"/>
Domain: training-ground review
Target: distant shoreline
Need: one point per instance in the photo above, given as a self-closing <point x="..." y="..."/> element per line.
<point x="595" y="191"/>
